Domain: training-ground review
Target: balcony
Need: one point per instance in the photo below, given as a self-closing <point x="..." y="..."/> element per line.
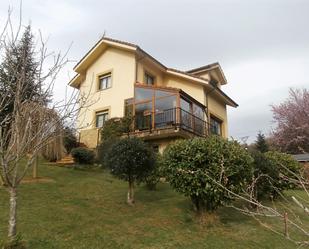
<point x="164" y="110"/>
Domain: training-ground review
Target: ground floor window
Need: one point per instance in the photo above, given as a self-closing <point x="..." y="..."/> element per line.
<point x="101" y="118"/>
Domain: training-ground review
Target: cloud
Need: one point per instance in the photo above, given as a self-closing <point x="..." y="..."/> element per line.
<point x="262" y="45"/>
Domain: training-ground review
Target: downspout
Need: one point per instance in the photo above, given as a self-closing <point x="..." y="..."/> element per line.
<point x="136" y="73"/>
<point x="207" y="105"/>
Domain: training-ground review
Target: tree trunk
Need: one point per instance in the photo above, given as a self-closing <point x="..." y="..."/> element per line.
<point x="35" y="167"/>
<point x="130" y="199"/>
<point x="13" y="210"/>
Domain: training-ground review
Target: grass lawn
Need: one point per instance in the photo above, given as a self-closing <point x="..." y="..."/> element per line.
<point x="87" y="209"/>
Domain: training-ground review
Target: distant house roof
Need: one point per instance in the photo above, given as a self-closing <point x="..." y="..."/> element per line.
<point x="302" y="157"/>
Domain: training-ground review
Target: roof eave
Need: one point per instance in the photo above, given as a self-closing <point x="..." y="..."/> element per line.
<point x="185" y="75"/>
<point x="75" y="81"/>
<point x="209" y="67"/>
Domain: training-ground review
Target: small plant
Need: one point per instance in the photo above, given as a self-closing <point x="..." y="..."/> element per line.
<point x="83" y="155"/>
<point x="15" y="243"/>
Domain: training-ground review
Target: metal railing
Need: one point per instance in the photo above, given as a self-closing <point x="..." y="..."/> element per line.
<point x="174" y="117"/>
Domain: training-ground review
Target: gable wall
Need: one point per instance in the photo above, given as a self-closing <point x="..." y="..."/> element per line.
<point x="122" y="66"/>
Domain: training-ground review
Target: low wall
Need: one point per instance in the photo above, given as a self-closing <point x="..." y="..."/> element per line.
<point x="89" y="137"/>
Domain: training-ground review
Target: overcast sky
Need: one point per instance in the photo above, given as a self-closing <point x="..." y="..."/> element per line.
<point x="262" y="45"/>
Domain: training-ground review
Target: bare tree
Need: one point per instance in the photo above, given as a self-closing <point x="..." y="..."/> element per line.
<point x="32" y="123"/>
<point x="287" y="216"/>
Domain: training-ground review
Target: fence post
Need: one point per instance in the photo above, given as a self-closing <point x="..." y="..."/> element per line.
<point x="286" y="232"/>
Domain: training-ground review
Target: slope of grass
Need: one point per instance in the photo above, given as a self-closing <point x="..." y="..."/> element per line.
<point x="87" y="209"/>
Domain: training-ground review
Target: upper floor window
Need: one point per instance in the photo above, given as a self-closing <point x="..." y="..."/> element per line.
<point x="105" y="81"/>
<point x="101" y="118"/>
<point x="215" y="126"/>
<point x="149" y="79"/>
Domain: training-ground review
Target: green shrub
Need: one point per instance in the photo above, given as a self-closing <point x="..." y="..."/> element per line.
<point x="154" y="178"/>
<point x="69" y="139"/>
<point x="266" y="177"/>
<point x="130" y="159"/>
<point x="274" y="172"/>
<point x="288" y="167"/>
<point x="103" y="149"/>
<point x="111" y="132"/>
<point x="83" y="155"/>
<point x="203" y="169"/>
<point x="116" y="127"/>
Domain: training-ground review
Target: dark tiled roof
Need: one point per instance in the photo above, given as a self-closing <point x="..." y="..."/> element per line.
<point x="203" y="67"/>
<point x="301" y="157"/>
<point x="121" y="42"/>
<point x="186" y="73"/>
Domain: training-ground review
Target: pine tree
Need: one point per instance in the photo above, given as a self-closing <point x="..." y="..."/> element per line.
<point x="261" y="144"/>
<point x="19" y="66"/>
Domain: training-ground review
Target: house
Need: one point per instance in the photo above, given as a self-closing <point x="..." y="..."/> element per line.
<point x="303" y="159"/>
<point x="120" y="78"/>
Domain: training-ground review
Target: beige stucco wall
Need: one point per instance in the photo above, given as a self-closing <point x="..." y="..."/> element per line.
<point x="191" y="88"/>
<point x="126" y="70"/>
<point x="210" y="75"/>
<point x="218" y="109"/>
<point x="122" y="66"/>
<point x="89" y="137"/>
<point x="163" y="143"/>
<point x="143" y="66"/>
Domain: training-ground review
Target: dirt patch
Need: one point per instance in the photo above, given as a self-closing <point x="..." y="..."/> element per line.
<point x="37" y="180"/>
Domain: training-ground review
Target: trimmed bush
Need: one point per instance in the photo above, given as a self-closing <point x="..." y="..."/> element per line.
<point x="83" y="155"/>
<point x="111" y="132"/>
<point x="204" y="169"/>
<point x="130" y="159"/>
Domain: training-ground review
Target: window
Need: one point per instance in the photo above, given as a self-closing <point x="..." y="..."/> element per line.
<point x="143" y="94"/>
<point x="105" y="81"/>
<point x="149" y="79"/>
<point x="128" y="107"/>
<point x="101" y="118"/>
<point x="215" y="126"/>
<point x="155" y="148"/>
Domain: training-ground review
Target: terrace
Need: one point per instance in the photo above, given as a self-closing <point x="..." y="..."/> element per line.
<point x="162" y="110"/>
